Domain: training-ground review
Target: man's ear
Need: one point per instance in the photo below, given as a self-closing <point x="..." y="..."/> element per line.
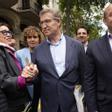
<point x="58" y="20"/>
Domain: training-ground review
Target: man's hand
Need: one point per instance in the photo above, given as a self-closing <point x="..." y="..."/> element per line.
<point x="30" y="71"/>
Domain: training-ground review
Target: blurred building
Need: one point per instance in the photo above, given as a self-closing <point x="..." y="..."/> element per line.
<point x="19" y="14"/>
<point x="51" y="4"/>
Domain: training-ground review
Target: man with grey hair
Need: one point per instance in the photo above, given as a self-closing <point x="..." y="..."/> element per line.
<point x="61" y="62"/>
<point x="98" y="89"/>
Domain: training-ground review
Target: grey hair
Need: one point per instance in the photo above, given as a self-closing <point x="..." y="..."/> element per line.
<point x="56" y="14"/>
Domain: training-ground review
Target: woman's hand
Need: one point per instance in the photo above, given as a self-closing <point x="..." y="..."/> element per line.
<point x="30" y="71"/>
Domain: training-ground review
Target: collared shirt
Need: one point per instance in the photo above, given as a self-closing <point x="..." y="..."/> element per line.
<point x="85" y="46"/>
<point x="7" y="46"/>
<point x="11" y="51"/>
<point x="110" y="40"/>
<point x="58" y="52"/>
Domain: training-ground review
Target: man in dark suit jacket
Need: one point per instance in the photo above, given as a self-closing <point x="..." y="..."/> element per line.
<point x="61" y="63"/>
<point x="98" y="88"/>
<point x="82" y="34"/>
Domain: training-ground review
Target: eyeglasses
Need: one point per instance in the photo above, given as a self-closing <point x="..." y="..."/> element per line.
<point x="7" y="33"/>
<point x="47" y="21"/>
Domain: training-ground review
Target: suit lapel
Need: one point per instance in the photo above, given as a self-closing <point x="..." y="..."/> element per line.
<point x="68" y="52"/>
<point x="68" y="55"/>
<point x="50" y="59"/>
<point x="11" y="64"/>
<point x="107" y="52"/>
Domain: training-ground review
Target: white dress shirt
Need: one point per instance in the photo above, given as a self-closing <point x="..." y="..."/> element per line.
<point x="58" y="52"/>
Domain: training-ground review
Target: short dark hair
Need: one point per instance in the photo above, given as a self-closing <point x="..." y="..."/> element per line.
<point x="84" y="27"/>
<point x="6" y="24"/>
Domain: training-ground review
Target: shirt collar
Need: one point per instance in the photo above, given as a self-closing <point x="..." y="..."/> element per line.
<point x="86" y="44"/>
<point x="109" y="35"/>
<point x="7" y="46"/>
<point x="57" y="43"/>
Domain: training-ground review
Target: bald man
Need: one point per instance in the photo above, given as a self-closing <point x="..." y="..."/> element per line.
<point x="98" y="84"/>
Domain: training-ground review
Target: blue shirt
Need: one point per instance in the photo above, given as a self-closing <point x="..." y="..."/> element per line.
<point x="58" y="52"/>
<point x="22" y="54"/>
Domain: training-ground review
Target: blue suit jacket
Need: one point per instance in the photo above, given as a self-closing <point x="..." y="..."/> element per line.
<point x="57" y="90"/>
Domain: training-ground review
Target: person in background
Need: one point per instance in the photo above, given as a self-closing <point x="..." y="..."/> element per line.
<point x="82" y="34"/>
<point x="32" y="38"/>
<point x="98" y="84"/>
<point x="61" y="63"/>
<point x="13" y="93"/>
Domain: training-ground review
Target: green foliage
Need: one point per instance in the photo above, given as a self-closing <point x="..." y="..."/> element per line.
<point x="82" y="12"/>
<point x="44" y="1"/>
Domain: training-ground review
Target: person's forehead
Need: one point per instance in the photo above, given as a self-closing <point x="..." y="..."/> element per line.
<point x="32" y="32"/>
<point x="82" y="30"/>
<point x="4" y="27"/>
<point x="47" y="15"/>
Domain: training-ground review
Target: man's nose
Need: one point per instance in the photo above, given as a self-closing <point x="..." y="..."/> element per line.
<point x="44" y="25"/>
<point x="81" y="35"/>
